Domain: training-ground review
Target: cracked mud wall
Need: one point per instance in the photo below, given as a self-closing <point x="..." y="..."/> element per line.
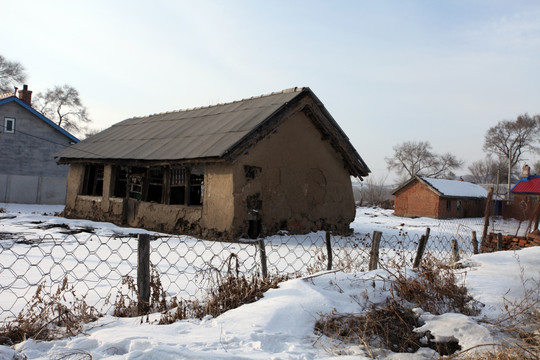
<point x="293" y="180"/>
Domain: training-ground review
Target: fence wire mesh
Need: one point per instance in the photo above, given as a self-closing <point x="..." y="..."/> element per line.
<point x="95" y="266"/>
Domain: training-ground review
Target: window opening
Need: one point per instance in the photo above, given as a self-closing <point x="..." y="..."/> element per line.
<point x="93" y="180"/>
<point x="120" y="182"/>
<point x="136" y="182"/>
<point x="155" y="184"/>
<point x="9" y="125"/>
<point x="196" y="187"/>
<point x="177" y="194"/>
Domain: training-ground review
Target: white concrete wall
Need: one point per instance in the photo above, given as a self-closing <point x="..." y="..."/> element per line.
<point x="25" y="189"/>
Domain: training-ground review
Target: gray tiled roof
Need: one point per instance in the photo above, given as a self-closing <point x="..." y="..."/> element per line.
<point x="222" y="131"/>
<point x="185" y="134"/>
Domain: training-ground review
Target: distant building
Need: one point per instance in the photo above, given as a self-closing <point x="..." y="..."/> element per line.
<point x="250" y="167"/>
<point x="439" y="198"/>
<point x="525" y="197"/>
<point x="29" y="173"/>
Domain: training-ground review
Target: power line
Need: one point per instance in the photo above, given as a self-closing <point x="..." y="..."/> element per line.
<point x="49" y="141"/>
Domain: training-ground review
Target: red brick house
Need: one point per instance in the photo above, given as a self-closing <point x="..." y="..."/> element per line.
<point x="525" y="196"/>
<point x="439" y="198"/>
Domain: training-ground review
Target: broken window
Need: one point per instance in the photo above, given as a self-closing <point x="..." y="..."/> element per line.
<point x="251" y="172"/>
<point x="136" y="183"/>
<point x="155" y="184"/>
<point x="93" y="180"/>
<point x="196" y="185"/>
<point x="120" y="182"/>
<point x="177" y="193"/>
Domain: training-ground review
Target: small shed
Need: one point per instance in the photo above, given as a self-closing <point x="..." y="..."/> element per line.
<point x="254" y="166"/>
<point x="439" y="198"/>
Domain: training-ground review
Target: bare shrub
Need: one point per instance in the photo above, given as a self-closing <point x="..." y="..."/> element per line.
<point x="390" y="327"/>
<point x="227" y="290"/>
<point x="127" y="304"/>
<point x="50" y="315"/>
<point x="434" y="288"/>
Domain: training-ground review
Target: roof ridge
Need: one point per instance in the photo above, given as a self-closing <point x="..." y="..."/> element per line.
<point x="285" y="91"/>
<point x="6" y="95"/>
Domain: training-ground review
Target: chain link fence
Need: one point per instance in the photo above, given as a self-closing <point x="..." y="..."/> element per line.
<point x="95" y="266"/>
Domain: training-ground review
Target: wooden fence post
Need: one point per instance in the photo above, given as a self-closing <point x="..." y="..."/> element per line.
<point x="487" y="212"/>
<point x="262" y="252"/>
<point x="421" y="247"/>
<point x="454" y="257"/>
<point x="143" y="273"/>
<point x="499" y="241"/>
<point x="474" y="243"/>
<point x="329" y="250"/>
<point x="374" y="253"/>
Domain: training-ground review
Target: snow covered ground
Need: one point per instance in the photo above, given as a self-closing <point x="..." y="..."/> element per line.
<point x="280" y="325"/>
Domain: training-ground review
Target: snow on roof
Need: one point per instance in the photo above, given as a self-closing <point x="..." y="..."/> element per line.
<point x="456" y="188"/>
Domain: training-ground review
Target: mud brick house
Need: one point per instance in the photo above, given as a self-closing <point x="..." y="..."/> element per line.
<point x="524" y="204"/>
<point x="29" y="173"/>
<point x="259" y="165"/>
<point x="439" y="198"/>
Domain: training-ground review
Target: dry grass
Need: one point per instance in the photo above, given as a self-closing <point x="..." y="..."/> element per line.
<point x="434" y="288"/>
<point x="50" y="314"/>
<point x="228" y="289"/>
<point x="390" y="326"/>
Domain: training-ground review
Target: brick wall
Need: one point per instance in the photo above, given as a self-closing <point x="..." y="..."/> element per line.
<point x="416" y="199"/>
<point x="522" y="207"/>
<point x="510" y="242"/>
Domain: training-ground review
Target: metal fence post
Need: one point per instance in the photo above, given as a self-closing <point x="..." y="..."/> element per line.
<point x="374" y="253"/>
<point x="143" y="273"/>
<point x="421" y="247"/>
<point x="499" y="241"/>
<point x="262" y="252"/>
<point x="329" y="250"/>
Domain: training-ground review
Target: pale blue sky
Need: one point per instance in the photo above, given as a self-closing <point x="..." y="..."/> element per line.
<point x="388" y="71"/>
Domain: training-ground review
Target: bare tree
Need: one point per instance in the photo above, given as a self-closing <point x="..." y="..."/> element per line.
<point x="488" y="171"/>
<point x="12" y="73"/>
<point x="374" y="192"/>
<point x="536" y="168"/>
<point x="509" y="139"/>
<point x="63" y="105"/>
<point x="416" y="158"/>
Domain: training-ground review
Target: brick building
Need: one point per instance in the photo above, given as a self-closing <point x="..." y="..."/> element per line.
<point x="525" y="197"/>
<point x="439" y="198"/>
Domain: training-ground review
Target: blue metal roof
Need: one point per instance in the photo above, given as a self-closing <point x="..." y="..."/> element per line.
<point x="39" y="115"/>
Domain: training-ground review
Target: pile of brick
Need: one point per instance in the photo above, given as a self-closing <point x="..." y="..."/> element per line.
<point x="510" y="242"/>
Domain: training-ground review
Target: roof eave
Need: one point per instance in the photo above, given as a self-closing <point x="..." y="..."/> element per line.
<point x="39" y="115"/>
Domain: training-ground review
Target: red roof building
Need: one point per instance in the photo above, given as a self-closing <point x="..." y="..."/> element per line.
<point x="525" y="198"/>
<point x="529" y="185"/>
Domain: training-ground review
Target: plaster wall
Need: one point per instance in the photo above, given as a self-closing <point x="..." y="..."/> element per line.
<point x="218" y="201"/>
